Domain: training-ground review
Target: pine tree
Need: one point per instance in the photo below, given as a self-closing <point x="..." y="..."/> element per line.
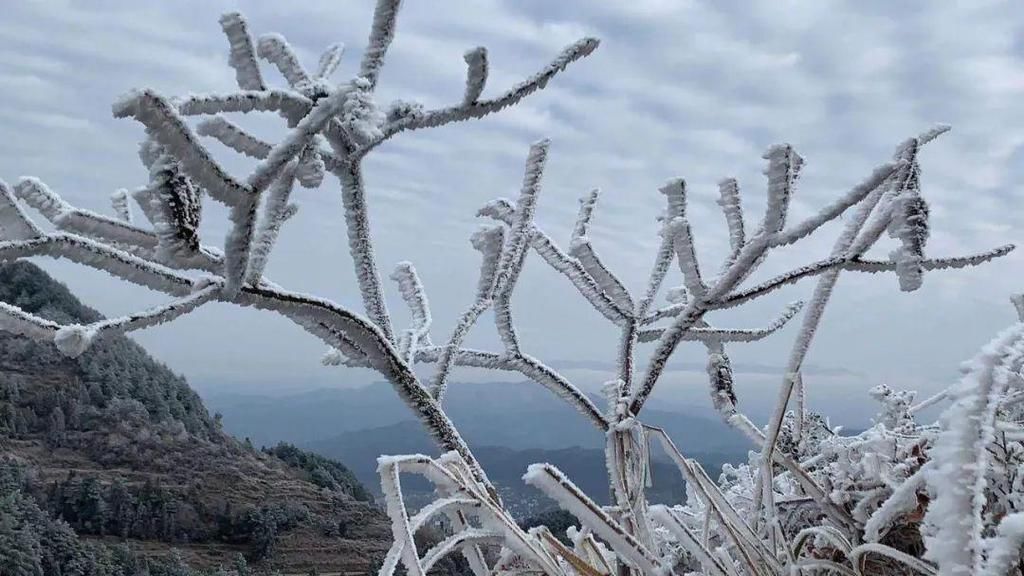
<point x="74" y="414"/>
<point x="121" y="505"/>
<point x="175" y="564"/>
<point x="56" y="431"/>
<point x="19" y="550"/>
<point x="241" y="566"/>
<point x="92" y="507"/>
<point x="9" y="419"/>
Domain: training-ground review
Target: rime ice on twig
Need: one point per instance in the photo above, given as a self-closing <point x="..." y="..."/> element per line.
<point x="233" y="136"/>
<point x="581" y="249"/>
<point x="726" y="335"/>
<point x="858" y="235"/>
<point x="476" y="74"/>
<point x="275" y="49"/>
<point x="288" y="104"/>
<point x="102" y="257"/>
<point x="14" y="223"/>
<point x="957" y="541"/>
<point x="119" y="202"/>
<point x="172" y="205"/>
<point x="276" y="212"/>
<point x="481" y="108"/>
<point x="382" y="32"/>
<point x="910" y="225"/>
<point x="783" y="169"/>
<point x="552" y="482"/>
<point x="243" y="56"/>
<point x="411" y="289"/>
<point x="569" y="267"/>
<point x="164" y="125"/>
<point x="74" y="339"/>
<point x="729" y="201"/>
<point x="329" y="61"/>
<point x="65" y="217"/>
<point x="16" y="321"/>
<point x="833" y="210"/>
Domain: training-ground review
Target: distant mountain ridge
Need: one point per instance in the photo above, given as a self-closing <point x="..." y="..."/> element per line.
<point x="505" y="466"/>
<point x="113" y="447"/>
<point x="518" y="415"/>
<point x="739" y="367"/>
<point x="508" y="425"/>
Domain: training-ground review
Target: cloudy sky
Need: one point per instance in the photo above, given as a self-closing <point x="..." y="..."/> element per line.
<point x="677" y="88"/>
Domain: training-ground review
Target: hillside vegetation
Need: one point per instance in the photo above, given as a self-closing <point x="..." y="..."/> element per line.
<point x="113" y="460"/>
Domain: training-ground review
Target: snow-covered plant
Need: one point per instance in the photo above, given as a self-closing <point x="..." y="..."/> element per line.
<point x="808" y="500"/>
<point x="975" y="524"/>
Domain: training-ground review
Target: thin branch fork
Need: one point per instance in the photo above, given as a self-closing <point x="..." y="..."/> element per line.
<point x="753" y="253"/>
<point x="857" y="237"/>
<point x="480" y="108"/>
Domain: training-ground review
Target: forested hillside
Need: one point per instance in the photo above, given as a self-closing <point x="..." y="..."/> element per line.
<point x="112" y="465"/>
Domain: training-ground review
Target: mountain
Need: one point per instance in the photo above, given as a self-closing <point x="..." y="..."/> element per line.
<point x="110" y="460"/>
<point x="508" y="426"/>
<point x="505" y="466"/>
<point x="739" y="367"/>
<point x="517" y="415"/>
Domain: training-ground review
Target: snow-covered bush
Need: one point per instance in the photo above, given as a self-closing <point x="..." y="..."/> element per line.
<point x="900" y="497"/>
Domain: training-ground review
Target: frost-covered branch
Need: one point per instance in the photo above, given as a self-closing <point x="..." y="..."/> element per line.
<point x="476" y="74"/>
<point x="675" y="192"/>
<point x="14" y="320"/>
<point x="662" y="262"/>
<point x="335" y="325"/>
<point x="14" y="223"/>
<point x="732" y="209"/>
<point x="74" y="339"/>
<point x="553" y="483"/>
<point x="411" y="289"/>
<point x="165" y="126"/>
<point x="957" y="541"/>
<point x="490" y="242"/>
<point x="855" y="264"/>
<point x="119" y="202"/>
<point x="289" y="104"/>
<point x="275" y="49"/>
<point x="353" y="196"/>
<point x="329" y="61"/>
<point x="65" y="217"/>
<point x="840" y="205"/>
<point x="481" y="108"/>
<point x="382" y="32"/>
<point x="275" y="213"/>
<point x="857" y="236"/>
<point x="688" y="540"/>
<point x="233" y="136"/>
<point x="581" y="249"/>
<point x="102" y="257"/>
<point x="729" y="335"/>
<point x="577" y="275"/>
<point x="242" y="56"/>
<point x="784" y="166"/>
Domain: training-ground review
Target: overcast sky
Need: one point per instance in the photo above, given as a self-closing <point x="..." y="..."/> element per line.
<point x="677" y="88"/>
